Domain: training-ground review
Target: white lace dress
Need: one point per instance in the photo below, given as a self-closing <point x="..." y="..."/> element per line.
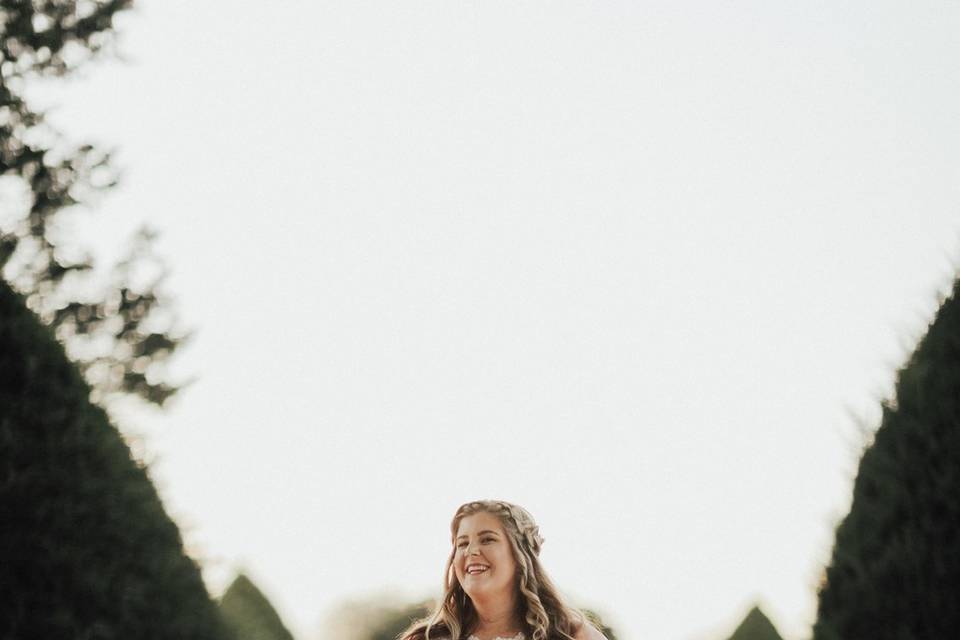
<point x="519" y="636"/>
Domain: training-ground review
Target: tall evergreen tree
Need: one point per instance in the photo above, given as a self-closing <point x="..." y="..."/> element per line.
<point x="895" y="568"/>
<point x="249" y="614"/>
<point x="756" y="626"/>
<point x="115" y="331"/>
<point x="86" y="548"/>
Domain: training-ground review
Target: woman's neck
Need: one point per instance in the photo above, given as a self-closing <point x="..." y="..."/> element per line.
<point x="496" y="619"/>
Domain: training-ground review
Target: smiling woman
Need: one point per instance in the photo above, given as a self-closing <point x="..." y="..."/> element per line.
<point x="494" y="585"/>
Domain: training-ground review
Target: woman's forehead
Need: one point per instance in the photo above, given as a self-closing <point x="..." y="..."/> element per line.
<point x="480" y="521"/>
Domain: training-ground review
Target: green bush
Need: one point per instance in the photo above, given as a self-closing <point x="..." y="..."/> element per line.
<point x="756" y="626"/>
<point x="86" y="549"/>
<point x="249" y="614"/>
<point x="895" y="569"/>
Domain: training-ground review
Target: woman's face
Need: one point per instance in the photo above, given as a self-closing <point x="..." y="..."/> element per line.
<point x="483" y="561"/>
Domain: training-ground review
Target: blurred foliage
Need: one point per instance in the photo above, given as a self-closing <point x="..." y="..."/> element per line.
<point x="395" y="620"/>
<point x="756" y="626"/>
<point x="598" y="622"/>
<point x="86" y="548"/>
<point x="249" y="614"/>
<point x="379" y="615"/>
<point x="895" y="567"/>
<point x="117" y="332"/>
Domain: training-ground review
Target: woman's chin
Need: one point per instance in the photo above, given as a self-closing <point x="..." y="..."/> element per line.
<point x="478" y="588"/>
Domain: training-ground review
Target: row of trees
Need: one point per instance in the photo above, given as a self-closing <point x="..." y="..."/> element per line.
<point x="250" y="616"/>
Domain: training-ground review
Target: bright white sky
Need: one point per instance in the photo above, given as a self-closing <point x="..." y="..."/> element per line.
<point x="637" y="266"/>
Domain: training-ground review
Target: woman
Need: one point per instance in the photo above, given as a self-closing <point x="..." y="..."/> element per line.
<point x="494" y="586"/>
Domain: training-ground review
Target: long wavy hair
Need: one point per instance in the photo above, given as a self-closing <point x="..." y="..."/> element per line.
<point x="544" y="613"/>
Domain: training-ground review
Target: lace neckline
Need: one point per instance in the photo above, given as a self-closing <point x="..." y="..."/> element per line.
<point x="519" y="636"/>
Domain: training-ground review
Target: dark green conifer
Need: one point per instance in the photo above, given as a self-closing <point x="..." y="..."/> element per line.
<point x="249" y="613"/>
<point x="86" y="549"/>
<point x="756" y="626"/>
<point x="895" y="568"/>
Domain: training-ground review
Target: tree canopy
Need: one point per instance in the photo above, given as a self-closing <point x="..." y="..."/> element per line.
<point x="115" y="331"/>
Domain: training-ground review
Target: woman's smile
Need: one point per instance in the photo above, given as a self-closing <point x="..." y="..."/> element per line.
<point x="477" y="568"/>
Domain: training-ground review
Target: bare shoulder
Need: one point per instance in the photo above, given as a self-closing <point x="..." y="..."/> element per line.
<point x="589" y="632"/>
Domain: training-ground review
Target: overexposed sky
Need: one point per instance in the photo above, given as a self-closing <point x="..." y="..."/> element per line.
<point x="639" y="267"/>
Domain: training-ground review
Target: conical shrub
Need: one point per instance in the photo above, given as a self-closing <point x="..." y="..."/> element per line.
<point x="895" y="568"/>
<point x="756" y="626"/>
<point x="86" y="549"/>
<point x="249" y="613"/>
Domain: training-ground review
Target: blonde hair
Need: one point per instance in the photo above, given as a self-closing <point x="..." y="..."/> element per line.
<point x="540" y="606"/>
